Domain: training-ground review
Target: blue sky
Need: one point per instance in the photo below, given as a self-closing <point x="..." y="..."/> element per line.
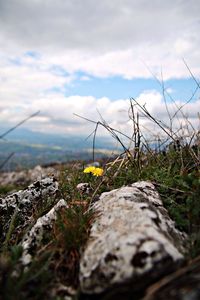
<point x="120" y="88"/>
<point x="83" y="57"/>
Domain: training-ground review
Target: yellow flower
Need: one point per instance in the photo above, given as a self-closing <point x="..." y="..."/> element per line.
<point x="89" y="169"/>
<point x="95" y="171"/>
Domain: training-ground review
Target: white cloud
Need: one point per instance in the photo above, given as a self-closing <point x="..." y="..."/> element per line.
<point x="105" y="38"/>
<point x="22" y="82"/>
<point x="85" y="78"/>
<point x="57" y="114"/>
<point x="44" y="43"/>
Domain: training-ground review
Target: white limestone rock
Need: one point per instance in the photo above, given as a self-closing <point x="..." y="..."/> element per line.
<point x="23" y="202"/>
<point x="84" y="188"/>
<point x="34" y="237"/>
<point x="132" y="236"/>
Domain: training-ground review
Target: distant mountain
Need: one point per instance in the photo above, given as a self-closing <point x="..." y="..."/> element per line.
<point x="32" y="148"/>
<point x="65" y="142"/>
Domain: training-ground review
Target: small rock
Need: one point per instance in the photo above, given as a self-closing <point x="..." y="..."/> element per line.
<point x="34" y="237"/>
<point x="84" y="188"/>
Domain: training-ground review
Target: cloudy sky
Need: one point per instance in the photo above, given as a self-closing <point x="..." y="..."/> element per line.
<point x="88" y="57"/>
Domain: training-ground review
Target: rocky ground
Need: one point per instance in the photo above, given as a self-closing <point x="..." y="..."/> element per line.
<point x="25" y="177"/>
<point x="133" y="250"/>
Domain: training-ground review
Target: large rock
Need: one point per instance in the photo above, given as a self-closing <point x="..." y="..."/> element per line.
<point x="23" y="202"/>
<point x="133" y="241"/>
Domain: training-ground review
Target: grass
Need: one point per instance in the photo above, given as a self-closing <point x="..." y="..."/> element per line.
<point x="173" y="167"/>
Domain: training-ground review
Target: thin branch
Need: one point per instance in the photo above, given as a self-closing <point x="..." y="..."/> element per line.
<point x="6" y="160"/>
<point x="170" y="97"/>
<point x="152" y="118"/>
<point x="197" y="83"/>
<point x="190" y="99"/>
<point x="20" y="123"/>
<point x="100" y="123"/>
<point x="165" y="101"/>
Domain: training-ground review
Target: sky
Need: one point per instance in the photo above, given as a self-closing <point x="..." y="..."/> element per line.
<point x="86" y="57"/>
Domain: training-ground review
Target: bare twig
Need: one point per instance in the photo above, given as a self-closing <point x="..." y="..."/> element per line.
<point x="10" y="130"/>
<point x="192" y="75"/>
<point x="6" y="160"/>
<point x="159" y="123"/>
<point x="20" y="123"/>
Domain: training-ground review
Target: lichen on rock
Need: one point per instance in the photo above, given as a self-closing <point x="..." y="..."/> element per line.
<point x="24" y="201"/>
